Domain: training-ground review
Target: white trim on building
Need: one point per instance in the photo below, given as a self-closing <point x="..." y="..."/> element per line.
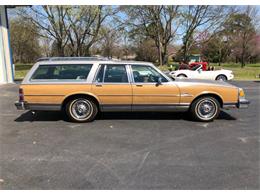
<point x="6" y="68"/>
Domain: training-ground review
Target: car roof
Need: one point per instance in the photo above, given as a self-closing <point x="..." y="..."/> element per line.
<point x="80" y="60"/>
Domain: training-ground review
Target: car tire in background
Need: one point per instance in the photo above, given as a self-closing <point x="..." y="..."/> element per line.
<point x="205" y="109"/>
<point x="221" y="77"/>
<point x="81" y="109"/>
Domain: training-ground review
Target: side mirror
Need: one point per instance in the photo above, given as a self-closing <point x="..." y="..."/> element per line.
<point x="199" y="70"/>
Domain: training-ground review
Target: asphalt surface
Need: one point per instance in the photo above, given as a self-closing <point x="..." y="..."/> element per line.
<point x="129" y="151"/>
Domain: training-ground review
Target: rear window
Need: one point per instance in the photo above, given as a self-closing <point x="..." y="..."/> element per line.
<point x="76" y="72"/>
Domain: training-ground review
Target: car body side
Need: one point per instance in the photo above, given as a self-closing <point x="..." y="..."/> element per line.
<point x="172" y="94"/>
<point x="211" y="75"/>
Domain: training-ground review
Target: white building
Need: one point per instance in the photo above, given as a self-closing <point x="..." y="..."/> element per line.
<point x="6" y="68"/>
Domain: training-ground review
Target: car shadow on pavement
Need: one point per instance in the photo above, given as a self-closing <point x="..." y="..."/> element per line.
<point x="155" y="116"/>
<point x="41" y="116"/>
<point x="57" y="116"/>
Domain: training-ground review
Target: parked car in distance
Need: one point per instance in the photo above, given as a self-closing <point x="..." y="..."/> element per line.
<point x="82" y="87"/>
<point x="197" y="73"/>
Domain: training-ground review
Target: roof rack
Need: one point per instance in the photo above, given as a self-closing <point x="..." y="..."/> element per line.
<point x="72" y="58"/>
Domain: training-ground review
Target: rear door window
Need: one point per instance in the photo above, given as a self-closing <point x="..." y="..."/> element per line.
<point x="112" y="74"/>
<point x="62" y="72"/>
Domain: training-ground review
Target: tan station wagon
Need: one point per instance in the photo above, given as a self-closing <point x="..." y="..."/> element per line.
<point x="82" y="87"/>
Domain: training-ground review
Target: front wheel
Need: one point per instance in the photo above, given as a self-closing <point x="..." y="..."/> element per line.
<point x="221" y="78"/>
<point x="81" y="110"/>
<point x="205" y="109"/>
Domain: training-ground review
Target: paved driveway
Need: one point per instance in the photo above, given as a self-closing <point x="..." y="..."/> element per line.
<point x="129" y="151"/>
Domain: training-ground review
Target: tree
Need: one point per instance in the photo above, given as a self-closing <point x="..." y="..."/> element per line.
<point x="146" y="51"/>
<point x="216" y="49"/>
<point x="76" y="27"/>
<point x="195" y="17"/>
<point x="85" y="25"/>
<point x="240" y="30"/>
<point x="24" y="41"/>
<point x="51" y="22"/>
<point x="158" y="23"/>
<point x="109" y="42"/>
<point x="254" y="49"/>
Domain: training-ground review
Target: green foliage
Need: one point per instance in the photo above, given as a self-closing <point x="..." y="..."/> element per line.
<point x="24" y="41"/>
<point x="239" y="30"/>
<point x="146" y="51"/>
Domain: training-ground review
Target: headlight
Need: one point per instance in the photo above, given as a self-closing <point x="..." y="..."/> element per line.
<point x="241" y="92"/>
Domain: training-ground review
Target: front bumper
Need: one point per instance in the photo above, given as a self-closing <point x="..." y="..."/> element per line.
<point x="242" y="103"/>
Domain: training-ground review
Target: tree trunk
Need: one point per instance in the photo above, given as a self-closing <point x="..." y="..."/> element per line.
<point x="185" y="52"/>
<point x="243" y="59"/>
<point x="87" y="51"/>
<point x="160" y="51"/>
<point x="164" y="55"/>
<point x="60" y="49"/>
<point x="242" y="62"/>
<point x="220" y="57"/>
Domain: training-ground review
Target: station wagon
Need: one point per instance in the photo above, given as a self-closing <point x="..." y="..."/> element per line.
<point x="82" y="87"/>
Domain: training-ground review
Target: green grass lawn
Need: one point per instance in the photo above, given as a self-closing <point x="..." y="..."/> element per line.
<point x="21" y="70"/>
<point x="249" y="72"/>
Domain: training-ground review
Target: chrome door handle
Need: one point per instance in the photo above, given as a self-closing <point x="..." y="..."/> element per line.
<point x="98" y="85"/>
<point x="139" y="85"/>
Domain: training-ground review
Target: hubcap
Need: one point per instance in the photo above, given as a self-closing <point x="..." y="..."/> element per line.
<point x="206" y="109"/>
<point x="81" y="109"/>
<point x="222" y="78"/>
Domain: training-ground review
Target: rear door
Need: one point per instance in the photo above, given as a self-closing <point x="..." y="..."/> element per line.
<point x="112" y="86"/>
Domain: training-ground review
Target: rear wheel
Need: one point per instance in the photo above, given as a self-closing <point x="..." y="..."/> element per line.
<point x="221" y="77"/>
<point x="81" y="110"/>
<point x="205" y="109"/>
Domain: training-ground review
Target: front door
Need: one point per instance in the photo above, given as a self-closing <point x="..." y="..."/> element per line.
<point x="149" y="94"/>
<point x="112" y="88"/>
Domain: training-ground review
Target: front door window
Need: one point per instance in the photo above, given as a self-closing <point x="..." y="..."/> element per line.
<point x="146" y="74"/>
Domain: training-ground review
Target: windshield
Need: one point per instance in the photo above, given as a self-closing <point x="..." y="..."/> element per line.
<point x="196" y="67"/>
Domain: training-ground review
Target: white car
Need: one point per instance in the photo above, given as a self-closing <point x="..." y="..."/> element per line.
<point x="197" y="73"/>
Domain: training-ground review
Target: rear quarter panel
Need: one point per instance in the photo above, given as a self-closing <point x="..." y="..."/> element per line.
<point x="52" y="93"/>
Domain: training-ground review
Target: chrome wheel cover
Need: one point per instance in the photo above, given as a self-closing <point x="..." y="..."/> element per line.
<point x="81" y="109"/>
<point x="222" y="78"/>
<point x="206" y="109"/>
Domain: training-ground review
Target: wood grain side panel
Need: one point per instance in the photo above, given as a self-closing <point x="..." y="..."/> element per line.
<point x="52" y="94"/>
<point x="113" y="93"/>
<point x="152" y="94"/>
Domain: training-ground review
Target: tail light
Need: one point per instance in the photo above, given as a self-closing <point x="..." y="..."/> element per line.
<point x="21" y="96"/>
